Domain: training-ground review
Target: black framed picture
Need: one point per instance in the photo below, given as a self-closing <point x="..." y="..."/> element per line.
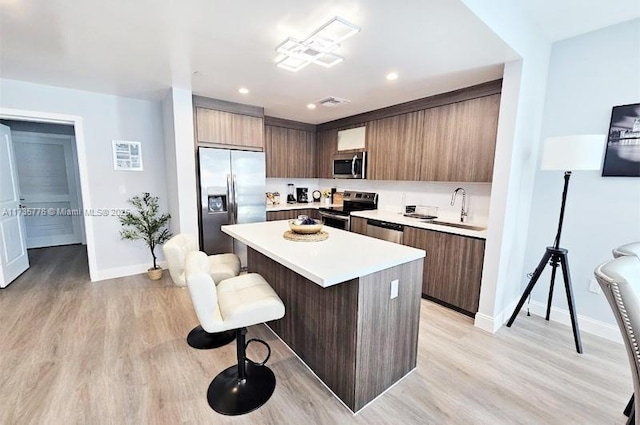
<point x="622" y="157"/>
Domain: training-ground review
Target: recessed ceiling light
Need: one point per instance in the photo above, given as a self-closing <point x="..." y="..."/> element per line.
<point x="243" y="90"/>
<point x="392" y="76"/>
<point x="311" y="106"/>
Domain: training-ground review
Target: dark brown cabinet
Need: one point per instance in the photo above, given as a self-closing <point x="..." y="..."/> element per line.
<point x="452" y="267"/>
<point x="291" y="214"/>
<point x="327" y="146"/>
<point x="454" y="142"/>
<point x="459" y="141"/>
<point x="290" y="153"/>
<point x="395" y="147"/>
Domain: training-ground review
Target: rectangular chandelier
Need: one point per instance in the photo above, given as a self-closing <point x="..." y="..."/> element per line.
<point x="317" y="48"/>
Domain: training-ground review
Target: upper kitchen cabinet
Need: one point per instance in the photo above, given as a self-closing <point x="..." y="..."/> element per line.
<point x="327" y="146"/>
<point x="290" y="149"/>
<point x="447" y="137"/>
<point x="225" y="123"/>
<point x="459" y="141"/>
<point x="395" y="147"/>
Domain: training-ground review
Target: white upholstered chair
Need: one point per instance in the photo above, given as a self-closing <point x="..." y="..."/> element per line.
<point x="632" y="248"/>
<point x="234" y="304"/>
<point x="620" y="282"/>
<point x="222" y="266"/>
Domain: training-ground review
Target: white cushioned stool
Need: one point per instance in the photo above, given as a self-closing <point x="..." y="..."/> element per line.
<point x="221" y="266"/>
<point x="234" y="304"/>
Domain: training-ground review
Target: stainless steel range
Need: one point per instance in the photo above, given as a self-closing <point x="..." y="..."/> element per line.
<point x="340" y="217"/>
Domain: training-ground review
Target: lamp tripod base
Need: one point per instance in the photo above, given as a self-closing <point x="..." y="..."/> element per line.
<point x="554" y="257"/>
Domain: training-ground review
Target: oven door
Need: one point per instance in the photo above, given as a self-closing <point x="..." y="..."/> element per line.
<point x="335" y="220"/>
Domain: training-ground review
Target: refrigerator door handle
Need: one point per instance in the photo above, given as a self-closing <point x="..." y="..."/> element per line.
<point x="230" y="206"/>
<point x="235" y="200"/>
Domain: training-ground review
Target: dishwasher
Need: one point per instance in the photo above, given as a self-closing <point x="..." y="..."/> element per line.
<point x="384" y="230"/>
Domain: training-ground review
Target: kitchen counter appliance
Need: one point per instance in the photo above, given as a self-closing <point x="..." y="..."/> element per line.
<point x="340" y="217"/>
<point x="302" y="194"/>
<point x="350" y="165"/>
<point x="384" y="230"/>
<point x="232" y="190"/>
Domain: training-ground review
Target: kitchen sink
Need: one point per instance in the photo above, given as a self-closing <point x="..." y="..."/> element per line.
<point x="458" y="225"/>
<point x="420" y="216"/>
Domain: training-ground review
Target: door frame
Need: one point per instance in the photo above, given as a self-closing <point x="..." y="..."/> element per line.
<point x="77" y="122"/>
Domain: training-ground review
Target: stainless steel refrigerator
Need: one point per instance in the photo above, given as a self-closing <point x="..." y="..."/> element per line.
<point x="232" y="191"/>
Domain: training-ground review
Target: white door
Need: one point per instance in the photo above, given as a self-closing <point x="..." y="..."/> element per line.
<point x="13" y="247"/>
<point x="48" y="188"/>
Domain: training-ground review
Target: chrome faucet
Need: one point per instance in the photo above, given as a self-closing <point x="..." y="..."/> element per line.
<point x="463" y="211"/>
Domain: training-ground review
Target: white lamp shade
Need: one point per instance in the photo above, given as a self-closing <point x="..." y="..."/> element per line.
<point x="569" y="153"/>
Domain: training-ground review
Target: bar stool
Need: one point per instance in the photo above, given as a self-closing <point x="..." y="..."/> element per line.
<point x="222" y="266"/>
<point x="234" y="304"/>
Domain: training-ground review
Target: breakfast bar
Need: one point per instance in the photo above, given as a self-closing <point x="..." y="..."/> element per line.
<point x="352" y="304"/>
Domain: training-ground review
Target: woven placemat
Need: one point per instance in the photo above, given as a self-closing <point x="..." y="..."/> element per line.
<point x="299" y="237"/>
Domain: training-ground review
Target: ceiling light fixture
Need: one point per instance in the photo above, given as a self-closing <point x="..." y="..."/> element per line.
<point x="317" y="48"/>
<point x="392" y="76"/>
<point x="243" y="90"/>
<point x="311" y="106"/>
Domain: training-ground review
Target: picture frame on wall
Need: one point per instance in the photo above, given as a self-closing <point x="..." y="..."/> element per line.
<point x="127" y="156"/>
<point x="622" y="156"/>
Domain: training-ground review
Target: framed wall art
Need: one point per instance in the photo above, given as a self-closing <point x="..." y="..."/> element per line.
<point x="127" y="156"/>
<point x="622" y="156"/>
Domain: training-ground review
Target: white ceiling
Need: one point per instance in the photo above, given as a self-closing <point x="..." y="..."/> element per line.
<point x="141" y="48"/>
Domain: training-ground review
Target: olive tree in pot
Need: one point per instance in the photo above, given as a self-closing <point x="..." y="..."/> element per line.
<point x="147" y="224"/>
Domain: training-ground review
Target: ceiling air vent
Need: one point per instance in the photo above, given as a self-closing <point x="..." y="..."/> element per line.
<point x="332" y="101"/>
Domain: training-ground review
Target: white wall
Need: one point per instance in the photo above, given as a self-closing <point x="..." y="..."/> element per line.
<point x="588" y="75"/>
<point x="105" y="118"/>
<point x="521" y="107"/>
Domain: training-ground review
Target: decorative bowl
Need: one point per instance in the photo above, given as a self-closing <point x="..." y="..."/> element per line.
<point x="305" y="229"/>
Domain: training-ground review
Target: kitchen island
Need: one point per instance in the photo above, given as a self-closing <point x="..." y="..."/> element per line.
<point x="352" y="304"/>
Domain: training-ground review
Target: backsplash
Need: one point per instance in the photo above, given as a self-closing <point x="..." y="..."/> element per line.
<point x="391" y="194"/>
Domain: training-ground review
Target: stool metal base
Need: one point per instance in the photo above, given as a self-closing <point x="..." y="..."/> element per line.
<point x="203" y="340"/>
<point x="229" y="395"/>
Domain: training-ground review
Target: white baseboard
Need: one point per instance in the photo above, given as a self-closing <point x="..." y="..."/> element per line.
<point x="493" y="323"/>
<point x="585" y="324"/>
<point x="559" y="315"/>
<point x="117" y="272"/>
<point x="487" y="323"/>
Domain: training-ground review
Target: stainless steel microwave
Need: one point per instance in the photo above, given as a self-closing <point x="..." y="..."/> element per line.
<point x="350" y="165"/>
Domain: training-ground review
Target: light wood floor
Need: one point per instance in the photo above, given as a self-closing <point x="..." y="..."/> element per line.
<point x="114" y="352"/>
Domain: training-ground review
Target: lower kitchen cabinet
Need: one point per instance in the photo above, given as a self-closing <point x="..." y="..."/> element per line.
<point x="452" y="267"/>
<point x="359" y="225"/>
<point x="291" y="214"/>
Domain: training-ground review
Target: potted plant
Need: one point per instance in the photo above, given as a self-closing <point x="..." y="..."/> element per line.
<point x="147" y="224"/>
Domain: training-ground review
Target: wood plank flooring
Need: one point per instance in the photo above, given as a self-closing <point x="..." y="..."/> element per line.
<point x="114" y="352"/>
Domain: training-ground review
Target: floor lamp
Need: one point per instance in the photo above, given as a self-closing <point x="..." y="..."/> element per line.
<point x="568" y="153"/>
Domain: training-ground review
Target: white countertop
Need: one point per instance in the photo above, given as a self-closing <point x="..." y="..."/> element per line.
<point x="394" y="217"/>
<point x="343" y="256"/>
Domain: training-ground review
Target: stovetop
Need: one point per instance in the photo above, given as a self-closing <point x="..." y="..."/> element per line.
<point x="354" y="201"/>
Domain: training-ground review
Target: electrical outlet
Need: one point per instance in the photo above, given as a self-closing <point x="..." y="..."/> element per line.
<point x="394" y="288"/>
<point x="594" y="287"/>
